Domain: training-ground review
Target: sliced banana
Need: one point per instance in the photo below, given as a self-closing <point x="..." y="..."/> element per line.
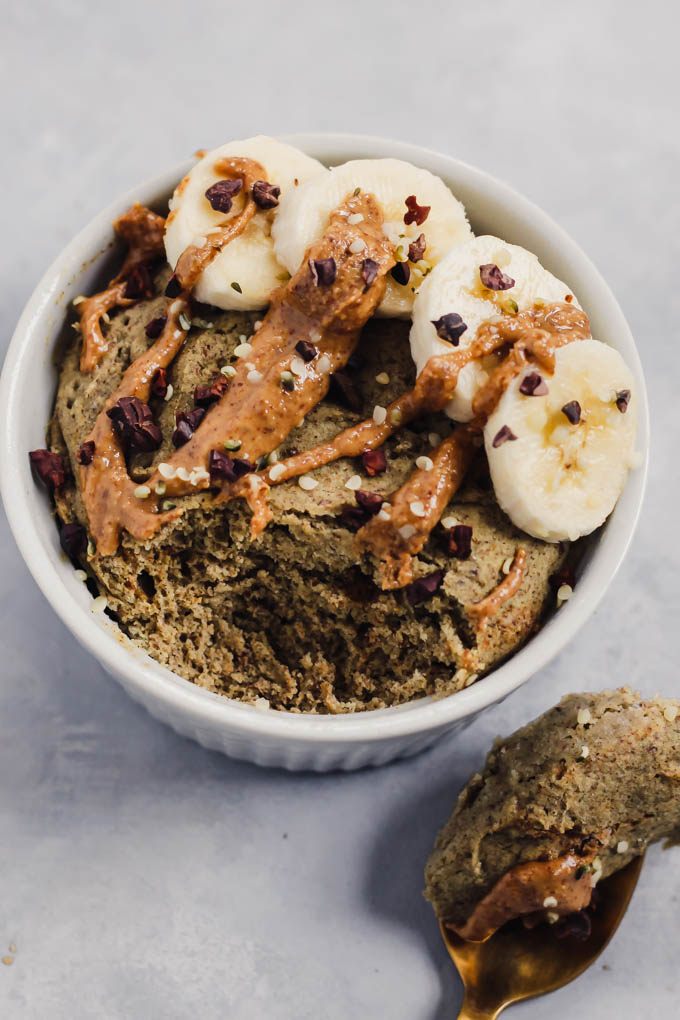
<point x="559" y="460"/>
<point x="248" y="261"/>
<point x="304" y="214"/>
<point x="455" y="285"/>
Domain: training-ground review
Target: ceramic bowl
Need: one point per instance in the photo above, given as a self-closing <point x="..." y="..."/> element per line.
<point x="277" y="738"/>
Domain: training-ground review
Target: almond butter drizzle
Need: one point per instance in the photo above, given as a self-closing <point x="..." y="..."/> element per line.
<point x="433" y="390"/>
<point x="509" y="586"/>
<point x="107" y="490"/>
<point x="197" y="257"/>
<point x="433" y="489"/>
<point x="142" y="230"/>
<point x="257" y="409"/>
<point x="537" y="333"/>
<point x="524" y="889"/>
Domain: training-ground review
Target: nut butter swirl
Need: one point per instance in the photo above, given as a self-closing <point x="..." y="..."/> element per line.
<point x="196" y="258"/>
<point x="436" y="385"/>
<point x="108" y="492"/>
<point x="484" y="609"/>
<point x="396" y="539"/>
<point x="432" y="392"/>
<point x="534" y="334"/>
<point x="257" y="407"/>
<point x="524" y="889"/>
<point x="142" y="230"/>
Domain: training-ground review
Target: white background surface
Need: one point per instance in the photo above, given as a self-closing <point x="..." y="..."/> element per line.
<point x="143" y="877"/>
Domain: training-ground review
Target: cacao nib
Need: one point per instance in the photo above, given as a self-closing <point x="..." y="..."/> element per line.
<point x="533" y="385"/>
<point x="139" y="285"/>
<point x="623" y="400"/>
<point x="221" y="466"/>
<point x="416" y="249"/>
<point x="49" y="468"/>
<point x="576" y="926"/>
<point x="374" y="462"/>
<point x="323" y="271"/>
<point x="182" y="434"/>
<point x="504" y="435"/>
<point x="343" y="391"/>
<point x="401" y="272"/>
<point x="205" y="396"/>
<point x="266" y="195"/>
<point x="192" y="418"/>
<point x="242" y="467"/>
<point x="369" y="271"/>
<point x="353" y="517"/>
<point x="73" y="540"/>
<point x="159" y="384"/>
<point x="370" y="502"/>
<point x="565" y="575"/>
<point x="424" y="588"/>
<point x="450" y="327"/>
<point x="226" y="468"/>
<point x="154" y="328"/>
<point x="221" y="194"/>
<point x="85" y="454"/>
<point x="572" y="412"/>
<point x="306" y="350"/>
<point x="416" y="213"/>
<point x="492" y="277"/>
<point x="173" y="288"/>
<point x="187" y="423"/>
<point x="460" y="541"/>
<point x="134" y="425"/>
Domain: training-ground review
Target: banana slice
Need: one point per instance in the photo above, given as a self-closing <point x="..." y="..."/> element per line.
<point x="559" y="459"/>
<point x="304" y="214"/>
<point x="249" y="259"/>
<point x="455" y="285"/>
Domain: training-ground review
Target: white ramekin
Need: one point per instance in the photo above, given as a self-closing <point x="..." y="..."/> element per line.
<point x="276" y="738"/>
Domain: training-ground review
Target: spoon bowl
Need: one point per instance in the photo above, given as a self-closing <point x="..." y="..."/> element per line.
<point x="519" y="963"/>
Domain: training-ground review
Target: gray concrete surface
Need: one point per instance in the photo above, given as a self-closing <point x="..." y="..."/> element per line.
<point x="143" y="877"/>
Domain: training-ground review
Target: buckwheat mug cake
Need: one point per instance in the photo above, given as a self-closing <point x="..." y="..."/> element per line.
<point x="317" y="447"/>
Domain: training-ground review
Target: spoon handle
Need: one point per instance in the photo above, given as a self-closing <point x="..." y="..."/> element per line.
<point x="470" y="1011"/>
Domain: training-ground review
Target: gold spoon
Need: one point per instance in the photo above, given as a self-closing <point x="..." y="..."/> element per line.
<point x="518" y="963"/>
